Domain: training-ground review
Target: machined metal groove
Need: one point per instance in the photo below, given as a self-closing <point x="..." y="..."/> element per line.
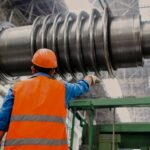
<point x="99" y="44"/>
<point x="63" y="49"/>
<point x="76" y="53"/>
<point x="105" y="38"/>
<point x="52" y="36"/>
<point x="46" y="23"/>
<point x="88" y="44"/>
<point x="92" y="46"/>
<point x="39" y="33"/>
<point x="49" y="33"/>
<point x="83" y="43"/>
<point x="53" y="33"/>
<point x="138" y="38"/>
<point x="96" y="18"/>
<point x="35" y="28"/>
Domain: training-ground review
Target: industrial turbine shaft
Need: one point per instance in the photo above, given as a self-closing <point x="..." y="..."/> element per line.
<point x="83" y="43"/>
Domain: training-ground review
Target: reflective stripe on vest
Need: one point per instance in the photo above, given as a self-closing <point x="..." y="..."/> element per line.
<point x="35" y="141"/>
<point x="39" y="118"/>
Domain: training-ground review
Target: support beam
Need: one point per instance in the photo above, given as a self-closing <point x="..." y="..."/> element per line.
<point x="109" y="103"/>
<point x="126" y="128"/>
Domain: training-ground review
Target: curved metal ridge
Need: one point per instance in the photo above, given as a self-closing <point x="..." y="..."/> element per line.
<point x="105" y="40"/>
<point x="46" y="23"/>
<point x="74" y="39"/>
<point x="36" y="25"/>
<point x="83" y="43"/>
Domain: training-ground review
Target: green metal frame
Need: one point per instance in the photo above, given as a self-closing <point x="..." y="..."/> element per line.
<point x="109" y="103"/>
<point x="131" y="135"/>
<point x="91" y="127"/>
<point x="122" y="131"/>
<point x="126" y="128"/>
<point x="72" y="130"/>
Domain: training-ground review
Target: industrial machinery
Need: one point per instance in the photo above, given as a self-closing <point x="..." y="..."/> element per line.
<point x="111" y="136"/>
<point x="84" y="43"/>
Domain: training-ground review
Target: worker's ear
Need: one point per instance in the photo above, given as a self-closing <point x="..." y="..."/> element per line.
<point x="52" y="72"/>
<point x="33" y="69"/>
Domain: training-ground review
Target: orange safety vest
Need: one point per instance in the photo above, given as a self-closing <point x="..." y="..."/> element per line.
<point x="38" y="116"/>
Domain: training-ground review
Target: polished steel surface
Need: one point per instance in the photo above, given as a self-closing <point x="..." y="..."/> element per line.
<point x="63" y="47"/>
<point x="15" y="51"/>
<point x="83" y="43"/>
<point x="125" y="40"/>
<point x="105" y="21"/>
<point x="146" y="39"/>
<point x="76" y="56"/>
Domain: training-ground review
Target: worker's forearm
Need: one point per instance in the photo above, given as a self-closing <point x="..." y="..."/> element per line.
<point x="1" y="135"/>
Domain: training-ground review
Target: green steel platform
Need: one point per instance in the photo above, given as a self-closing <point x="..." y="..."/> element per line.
<point x="108" y="136"/>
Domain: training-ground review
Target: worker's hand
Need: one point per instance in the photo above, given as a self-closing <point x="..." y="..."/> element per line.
<point x="91" y="79"/>
<point x="95" y="79"/>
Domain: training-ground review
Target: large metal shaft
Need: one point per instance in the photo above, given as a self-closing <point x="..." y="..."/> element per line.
<point x="83" y="43"/>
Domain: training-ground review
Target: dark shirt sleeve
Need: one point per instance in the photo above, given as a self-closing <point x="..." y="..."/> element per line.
<point x="5" y="111"/>
<point x="74" y="90"/>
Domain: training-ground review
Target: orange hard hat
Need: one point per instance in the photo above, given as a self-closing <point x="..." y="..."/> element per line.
<point x="45" y="58"/>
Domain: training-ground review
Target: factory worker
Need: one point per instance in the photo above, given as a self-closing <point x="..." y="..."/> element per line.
<point x="34" y="111"/>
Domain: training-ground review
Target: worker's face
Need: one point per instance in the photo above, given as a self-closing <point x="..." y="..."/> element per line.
<point x="33" y="70"/>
